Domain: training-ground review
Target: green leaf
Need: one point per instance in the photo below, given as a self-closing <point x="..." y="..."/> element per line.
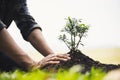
<point x="76" y="29"/>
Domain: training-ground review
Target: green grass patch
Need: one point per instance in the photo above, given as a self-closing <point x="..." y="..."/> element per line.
<point x="71" y="74"/>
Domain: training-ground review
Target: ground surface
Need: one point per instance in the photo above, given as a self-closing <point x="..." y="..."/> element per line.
<point x="78" y="58"/>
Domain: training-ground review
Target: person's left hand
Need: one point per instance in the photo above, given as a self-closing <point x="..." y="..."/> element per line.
<point x="52" y="59"/>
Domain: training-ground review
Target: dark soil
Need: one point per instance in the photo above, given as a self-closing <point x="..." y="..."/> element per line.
<point x="78" y="58"/>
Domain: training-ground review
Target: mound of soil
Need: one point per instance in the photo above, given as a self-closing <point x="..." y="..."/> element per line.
<point x="78" y="58"/>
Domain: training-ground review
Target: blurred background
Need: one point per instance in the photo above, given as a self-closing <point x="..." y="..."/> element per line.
<point x="103" y="38"/>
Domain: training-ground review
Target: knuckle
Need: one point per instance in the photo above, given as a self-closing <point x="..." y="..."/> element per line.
<point x="55" y="58"/>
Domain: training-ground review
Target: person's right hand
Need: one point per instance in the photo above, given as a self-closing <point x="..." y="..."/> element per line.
<point x="51" y="59"/>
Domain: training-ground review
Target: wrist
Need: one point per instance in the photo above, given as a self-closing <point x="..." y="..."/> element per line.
<point x="32" y="66"/>
<point x="50" y="53"/>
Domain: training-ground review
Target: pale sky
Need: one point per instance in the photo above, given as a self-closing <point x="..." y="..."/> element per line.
<point x="102" y="15"/>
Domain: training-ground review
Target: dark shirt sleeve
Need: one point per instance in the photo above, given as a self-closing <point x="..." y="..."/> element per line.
<point x="24" y="21"/>
<point x="2" y="25"/>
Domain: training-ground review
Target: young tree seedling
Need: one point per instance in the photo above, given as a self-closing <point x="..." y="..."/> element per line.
<point x="73" y="32"/>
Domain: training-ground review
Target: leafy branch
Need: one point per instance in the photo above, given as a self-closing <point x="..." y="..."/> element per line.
<point x="76" y="30"/>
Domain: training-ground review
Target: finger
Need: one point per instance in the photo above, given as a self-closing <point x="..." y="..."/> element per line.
<point x="49" y="63"/>
<point x="57" y="59"/>
<point x="51" y="55"/>
<point x="52" y="62"/>
<point x="59" y="55"/>
<point x="65" y="56"/>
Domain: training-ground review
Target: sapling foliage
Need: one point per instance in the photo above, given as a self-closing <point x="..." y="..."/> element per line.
<point x="73" y="32"/>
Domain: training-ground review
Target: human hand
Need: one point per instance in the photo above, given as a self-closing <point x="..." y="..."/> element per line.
<point x="52" y="59"/>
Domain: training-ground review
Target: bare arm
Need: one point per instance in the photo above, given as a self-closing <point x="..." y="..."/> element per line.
<point x="37" y="40"/>
<point x="11" y="49"/>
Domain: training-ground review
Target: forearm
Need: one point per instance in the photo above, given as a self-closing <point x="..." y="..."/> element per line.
<point x="37" y="40"/>
<point x="11" y="49"/>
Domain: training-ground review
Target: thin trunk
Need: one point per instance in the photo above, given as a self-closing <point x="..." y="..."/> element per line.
<point x="71" y="41"/>
<point x="80" y="36"/>
<point x="74" y="40"/>
<point x="67" y="44"/>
